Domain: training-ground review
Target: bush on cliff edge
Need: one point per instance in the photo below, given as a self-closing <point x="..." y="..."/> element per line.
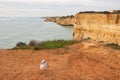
<point x="44" y="45"/>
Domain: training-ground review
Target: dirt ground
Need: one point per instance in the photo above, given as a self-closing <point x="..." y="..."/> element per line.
<point x="88" y="60"/>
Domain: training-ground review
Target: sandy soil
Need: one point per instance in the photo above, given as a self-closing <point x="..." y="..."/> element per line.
<point x="88" y="60"/>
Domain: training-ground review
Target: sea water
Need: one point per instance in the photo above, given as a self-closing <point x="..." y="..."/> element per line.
<point x="25" y="29"/>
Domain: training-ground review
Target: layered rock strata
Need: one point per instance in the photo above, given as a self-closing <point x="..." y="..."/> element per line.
<point x="97" y="26"/>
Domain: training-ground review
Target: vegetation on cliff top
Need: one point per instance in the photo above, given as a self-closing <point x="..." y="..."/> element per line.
<point x="43" y="45"/>
<point x="103" y="12"/>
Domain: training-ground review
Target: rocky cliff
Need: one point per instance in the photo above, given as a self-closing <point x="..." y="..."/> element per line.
<point x="64" y="21"/>
<point x="97" y="26"/>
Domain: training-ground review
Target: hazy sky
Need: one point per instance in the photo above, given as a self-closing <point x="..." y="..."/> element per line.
<point x="53" y="7"/>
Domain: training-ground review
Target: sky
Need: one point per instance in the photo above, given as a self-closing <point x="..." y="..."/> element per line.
<point x="42" y="8"/>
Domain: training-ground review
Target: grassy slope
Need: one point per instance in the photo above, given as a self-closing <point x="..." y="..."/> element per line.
<point x="46" y="45"/>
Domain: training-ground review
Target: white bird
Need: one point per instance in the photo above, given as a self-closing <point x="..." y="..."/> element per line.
<point x="43" y="65"/>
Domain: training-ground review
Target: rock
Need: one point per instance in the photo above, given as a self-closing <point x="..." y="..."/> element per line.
<point x="64" y="20"/>
<point x="98" y="26"/>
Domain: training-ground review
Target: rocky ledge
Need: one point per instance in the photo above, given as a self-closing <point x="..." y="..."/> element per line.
<point x="64" y="20"/>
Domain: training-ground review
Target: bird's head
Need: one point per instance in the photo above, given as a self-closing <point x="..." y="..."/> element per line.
<point x="43" y="61"/>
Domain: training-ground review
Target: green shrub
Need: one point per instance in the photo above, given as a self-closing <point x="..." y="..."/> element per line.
<point x="52" y="44"/>
<point x="43" y="45"/>
<point x="20" y="44"/>
<point x="32" y="43"/>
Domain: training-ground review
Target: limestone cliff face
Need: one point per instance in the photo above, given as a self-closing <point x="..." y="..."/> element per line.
<point x="97" y="26"/>
<point x="64" y="21"/>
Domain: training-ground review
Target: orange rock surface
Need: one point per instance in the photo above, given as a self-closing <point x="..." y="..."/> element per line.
<point x="87" y="60"/>
<point x="98" y="26"/>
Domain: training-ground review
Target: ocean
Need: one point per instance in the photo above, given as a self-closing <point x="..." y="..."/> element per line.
<point x="25" y="29"/>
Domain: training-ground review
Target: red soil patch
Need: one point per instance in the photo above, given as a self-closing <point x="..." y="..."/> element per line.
<point x="81" y="61"/>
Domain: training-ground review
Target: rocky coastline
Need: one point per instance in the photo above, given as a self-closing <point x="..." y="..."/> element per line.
<point x="100" y="26"/>
<point x="63" y="20"/>
<point x="84" y="60"/>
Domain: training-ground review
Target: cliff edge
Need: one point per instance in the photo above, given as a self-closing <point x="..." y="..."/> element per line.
<point x="87" y="60"/>
<point x="98" y="26"/>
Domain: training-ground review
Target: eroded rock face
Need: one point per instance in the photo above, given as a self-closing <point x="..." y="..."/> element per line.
<point x="97" y="26"/>
<point x="64" y="21"/>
